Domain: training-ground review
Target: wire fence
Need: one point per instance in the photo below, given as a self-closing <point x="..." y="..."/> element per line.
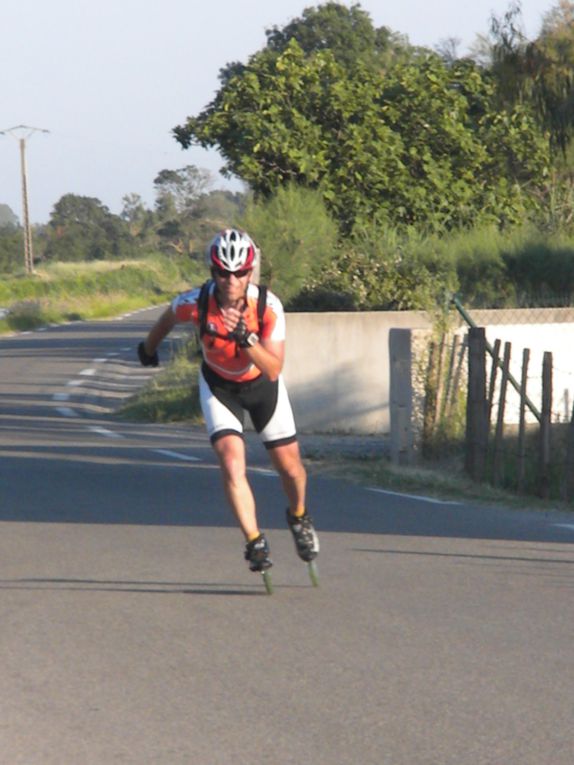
<point x="540" y="331"/>
<point x="520" y="373"/>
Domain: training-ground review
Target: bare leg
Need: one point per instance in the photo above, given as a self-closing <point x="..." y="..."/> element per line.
<point x="231" y="453"/>
<point x="287" y="461"/>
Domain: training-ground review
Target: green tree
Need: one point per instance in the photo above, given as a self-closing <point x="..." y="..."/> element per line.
<point x="379" y="269"/>
<point x="179" y="190"/>
<point x="296" y="235"/>
<point x="82" y="228"/>
<point x="11" y="249"/>
<point x="140" y="221"/>
<point x="7" y="217"/>
<point x="539" y="72"/>
<point x="188" y="211"/>
<point x="177" y="206"/>
<point x="421" y="145"/>
<point x="347" y="32"/>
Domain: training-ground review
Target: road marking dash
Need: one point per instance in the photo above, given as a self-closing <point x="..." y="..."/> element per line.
<point x="177" y="455"/>
<point x="66" y="411"/>
<point x="432" y="500"/>
<point x="105" y="432"/>
<point x="88" y="372"/>
<point x="263" y="471"/>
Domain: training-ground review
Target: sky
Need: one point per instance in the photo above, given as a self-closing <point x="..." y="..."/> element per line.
<point x="110" y="80"/>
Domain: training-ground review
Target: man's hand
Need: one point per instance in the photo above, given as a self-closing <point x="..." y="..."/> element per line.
<point x="242" y="336"/>
<point x="145" y="359"/>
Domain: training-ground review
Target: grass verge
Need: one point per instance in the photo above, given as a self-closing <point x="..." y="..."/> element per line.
<point x="441" y="480"/>
<point x="64" y="292"/>
<point x="172" y="394"/>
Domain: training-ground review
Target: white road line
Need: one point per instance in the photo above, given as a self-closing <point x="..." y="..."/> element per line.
<point x="564" y="525"/>
<point x="75" y="383"/>
<point x="60" y="397"/>
<point x="177" y="455"/>
<point x="105" y="432"/>
<point x="88" y="372"/>
<point x="263" y="471"/>
<point x="66" y="411"/>
<point x="99" y="361"/>
<point x="432" y="500"/>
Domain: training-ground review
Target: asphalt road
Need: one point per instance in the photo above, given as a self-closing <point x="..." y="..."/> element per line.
<point x="133" y="632"/>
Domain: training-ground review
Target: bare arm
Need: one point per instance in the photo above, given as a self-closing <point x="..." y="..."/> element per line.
<point x="268" y="356"/>
<point x="160" y="329"/>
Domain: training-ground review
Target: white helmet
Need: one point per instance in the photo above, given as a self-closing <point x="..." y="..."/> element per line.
<point x="232" y="250"/>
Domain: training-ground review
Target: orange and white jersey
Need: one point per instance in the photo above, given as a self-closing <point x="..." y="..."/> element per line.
<point x="224" y="356"/>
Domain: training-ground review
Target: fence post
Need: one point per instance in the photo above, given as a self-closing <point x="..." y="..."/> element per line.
<point x="568" y="480"/>
<point x="493" y="370"/>
<point x="499" y="434"/>
<point x="445" y="404"/>
<point x="545" y="424"/>
<point x="459" y="360"/>
<point x="522" y="421"/>
<point x="401" y="396"/>
<point x="477" y="405"/>
<point x="430" y="399"/>
<point x="440" y="383"/>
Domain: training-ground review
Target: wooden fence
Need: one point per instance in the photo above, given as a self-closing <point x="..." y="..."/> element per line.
<point x="486" y="443"/>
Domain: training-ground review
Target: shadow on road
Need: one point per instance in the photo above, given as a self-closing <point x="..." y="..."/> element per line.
<point x="145" y="588"/>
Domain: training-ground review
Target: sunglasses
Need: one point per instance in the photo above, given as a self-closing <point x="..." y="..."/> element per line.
<point x="223" y="274"/>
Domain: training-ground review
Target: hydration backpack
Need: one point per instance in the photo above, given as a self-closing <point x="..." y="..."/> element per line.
<point x="203" y="302"/>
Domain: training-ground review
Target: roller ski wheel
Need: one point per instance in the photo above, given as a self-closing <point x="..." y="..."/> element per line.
<point x="313" y="573"/>
<point x="267" y="581"/>
<point x="306" y="542"/>
<point x="257" y="555"/>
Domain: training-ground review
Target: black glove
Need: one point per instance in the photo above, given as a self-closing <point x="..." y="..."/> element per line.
<point x="145" y="359"/>
<point x="242" y="336"/>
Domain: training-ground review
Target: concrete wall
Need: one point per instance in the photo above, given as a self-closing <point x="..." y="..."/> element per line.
<point x="337" y="369"/>
<point x="338" y="364"/>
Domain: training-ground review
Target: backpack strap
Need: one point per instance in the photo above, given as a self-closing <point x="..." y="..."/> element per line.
<point x="261" y="305"/>
<point x="203" y="303"/>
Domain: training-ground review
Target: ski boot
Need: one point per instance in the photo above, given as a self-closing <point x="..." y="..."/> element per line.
<point x="306" y="542"/>
<point x="257" y="554"/>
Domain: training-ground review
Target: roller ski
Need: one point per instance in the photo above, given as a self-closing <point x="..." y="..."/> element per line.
<point x="257" y="555"/>
<point x="306" y="542"/>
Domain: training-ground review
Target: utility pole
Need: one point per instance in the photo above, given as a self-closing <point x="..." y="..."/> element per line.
<point x="21" y="133"/>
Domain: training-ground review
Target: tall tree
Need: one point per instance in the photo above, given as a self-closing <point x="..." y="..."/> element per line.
<point x="421" y="144"/>
<point x="296" y="235"/>
<point x="179" y="190"/>
<point x="539" y="72"/>
<point x="82" y="228"/>
<point x="7" y="217"/>
<point x="347" y="32"/>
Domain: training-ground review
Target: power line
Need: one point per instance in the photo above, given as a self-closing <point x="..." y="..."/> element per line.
<point x="21" y="133"/>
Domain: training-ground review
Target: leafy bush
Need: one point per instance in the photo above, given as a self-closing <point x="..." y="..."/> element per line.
<point x="379" y="269"/>
<point x="296" y="235"/>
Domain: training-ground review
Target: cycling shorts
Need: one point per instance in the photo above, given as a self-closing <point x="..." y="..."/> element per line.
<point x="224" y="403"/>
